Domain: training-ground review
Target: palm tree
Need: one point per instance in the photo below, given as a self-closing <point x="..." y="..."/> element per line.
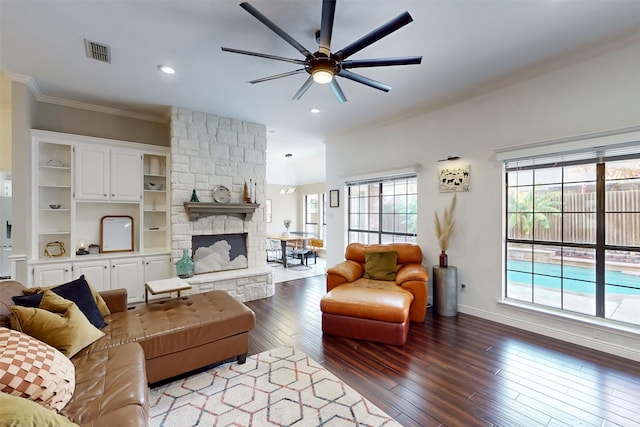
<point x="525" y="214"/>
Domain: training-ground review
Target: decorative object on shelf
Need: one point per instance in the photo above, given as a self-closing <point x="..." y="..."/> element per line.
<point x="444" y="230"/>
<point x="55" y="162"/>
<point x="334" y="198"/>
<point x="453" y="179"/>
<point x="55" y="206"/>
<point x="94" y="248"/>
<point x="287" y="224"/>
<point x="82" y="250"/>
<point x="194" y="196"/>
<point x="221" y="194"/>
<point x="245" y="194"/>
<point x="154" y="165"/>
<point x="151" y="186"/>
<point x="54" y="249"/>
<point x="185" y="265"/>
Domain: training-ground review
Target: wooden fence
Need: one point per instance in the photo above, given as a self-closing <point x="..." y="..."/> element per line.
<point x="579" y="218"/>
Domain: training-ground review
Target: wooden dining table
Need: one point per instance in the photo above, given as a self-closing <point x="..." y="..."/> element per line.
<point x="292" y="237"/>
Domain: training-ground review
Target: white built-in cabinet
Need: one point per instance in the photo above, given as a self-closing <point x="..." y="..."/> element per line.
<point x="108" y="174"/>
<point x="51" y="274"/>
<point x="129" y="273"/>
<point x="77" y="180"/>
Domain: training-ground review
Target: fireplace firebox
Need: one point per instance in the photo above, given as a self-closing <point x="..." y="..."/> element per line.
<point x="219" y="252"/>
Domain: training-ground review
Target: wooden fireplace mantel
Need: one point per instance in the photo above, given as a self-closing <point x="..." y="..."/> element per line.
<point x="196" y="210"/>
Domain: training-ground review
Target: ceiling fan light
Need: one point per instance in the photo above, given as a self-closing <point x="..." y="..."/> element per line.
<point x="322" y="73"/>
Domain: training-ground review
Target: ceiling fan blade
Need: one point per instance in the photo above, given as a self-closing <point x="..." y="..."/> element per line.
<point x="304" y="88"/>
<point x="382" y="62"/>
<point x="364" y="80"/>
<point x="375" y="35"/>
<point x="335" y="88"/>
<point x="263" y="55"/>
<point x="273" y="27"/>
<point x="326" y="26"/>
<point x="277" y="76"/>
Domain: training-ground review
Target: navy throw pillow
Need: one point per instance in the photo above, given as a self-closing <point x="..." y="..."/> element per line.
<point x="77" y="291"/>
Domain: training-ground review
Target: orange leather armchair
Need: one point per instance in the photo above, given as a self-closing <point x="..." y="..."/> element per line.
<point x="411" y="275"/>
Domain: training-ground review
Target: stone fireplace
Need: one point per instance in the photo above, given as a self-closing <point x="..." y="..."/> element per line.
<point x="208" y="150"/>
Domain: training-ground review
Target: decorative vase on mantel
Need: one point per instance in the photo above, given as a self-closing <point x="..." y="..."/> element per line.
<point x="444" y="259"/>
<point x="185" y="265"/>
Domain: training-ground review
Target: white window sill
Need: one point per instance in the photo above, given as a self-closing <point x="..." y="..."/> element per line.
<point x="604" y="325"/>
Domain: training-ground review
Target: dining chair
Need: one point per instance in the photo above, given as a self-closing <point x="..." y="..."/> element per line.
<point x="274" y="249"/>
<point x="314" y="247"/>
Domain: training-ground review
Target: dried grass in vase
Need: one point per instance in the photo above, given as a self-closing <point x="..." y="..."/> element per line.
<point x="444" y="228"/>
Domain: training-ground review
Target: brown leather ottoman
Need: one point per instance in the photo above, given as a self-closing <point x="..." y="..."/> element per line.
<point x="379" y="315"/>
<point x="182" y="334"/>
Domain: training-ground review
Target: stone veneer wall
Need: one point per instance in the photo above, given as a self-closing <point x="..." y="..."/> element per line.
<point x="209" y="150"/>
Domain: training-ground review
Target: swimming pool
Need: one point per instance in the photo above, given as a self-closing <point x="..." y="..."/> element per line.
<point x="576" y="279"/>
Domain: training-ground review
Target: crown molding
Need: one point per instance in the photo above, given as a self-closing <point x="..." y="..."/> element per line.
<point x="40" y="97"/>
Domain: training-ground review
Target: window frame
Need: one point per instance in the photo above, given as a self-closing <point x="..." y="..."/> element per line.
<point x="600" y="247"/>
<point x="380" y="232"/>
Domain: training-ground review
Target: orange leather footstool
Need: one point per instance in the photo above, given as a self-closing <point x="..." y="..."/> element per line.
<point x="367" y="314"/>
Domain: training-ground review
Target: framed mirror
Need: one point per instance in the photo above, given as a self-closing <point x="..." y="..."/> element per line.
<point x="116" y="233"/>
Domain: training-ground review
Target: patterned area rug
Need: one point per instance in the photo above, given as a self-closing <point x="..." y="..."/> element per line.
<point x="280" y="387"/>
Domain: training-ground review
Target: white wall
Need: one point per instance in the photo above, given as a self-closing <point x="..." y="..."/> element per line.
<point x="597" y="94"/>
<point x="284" y="206"/>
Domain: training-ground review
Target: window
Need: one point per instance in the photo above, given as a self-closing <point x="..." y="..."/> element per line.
<point x="573" y="235"/>
<point x="312" y="214"/>
<point x="383" y="210"/>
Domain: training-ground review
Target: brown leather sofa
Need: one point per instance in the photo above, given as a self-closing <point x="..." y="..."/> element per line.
<point x="377" y="310"/>
<point x="146" y="344"/>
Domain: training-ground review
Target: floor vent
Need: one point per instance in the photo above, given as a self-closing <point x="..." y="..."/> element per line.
<point x="97" y="51"/>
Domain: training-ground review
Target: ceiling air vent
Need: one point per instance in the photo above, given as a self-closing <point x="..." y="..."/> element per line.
<point x="97" y="51"/>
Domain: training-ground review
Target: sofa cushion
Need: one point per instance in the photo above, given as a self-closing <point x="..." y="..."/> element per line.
<point x="18" y="411"/>
<point x="368" y="303"/>
<point x="34" y="370"/>
<point x="58" y="322"/>
<point x="407" y="252"/>
<point x="380" y="265"/>
<point x="78" y="291"/>
<point x="111" y="388"/>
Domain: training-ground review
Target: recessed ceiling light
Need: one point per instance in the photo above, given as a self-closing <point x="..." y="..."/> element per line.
<point x="166" y="69"/>
<point x="315" y="110"/>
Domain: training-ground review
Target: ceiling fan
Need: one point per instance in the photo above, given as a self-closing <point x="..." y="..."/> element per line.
<point x="323" y="66"/>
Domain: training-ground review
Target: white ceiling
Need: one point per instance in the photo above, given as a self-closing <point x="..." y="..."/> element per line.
<point x="467" y="46"/>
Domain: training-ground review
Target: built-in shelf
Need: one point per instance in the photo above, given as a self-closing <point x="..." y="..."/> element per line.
<point x="196" y="210"/>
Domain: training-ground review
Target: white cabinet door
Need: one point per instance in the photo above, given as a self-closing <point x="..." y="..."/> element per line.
<point x="126" y="175"/>
<point x="157" y="267"/>
<point x="51" y="274"/>
<point x="96" y="272"/>
<point x="91" y="173"/>
<point x="128" y="273"/>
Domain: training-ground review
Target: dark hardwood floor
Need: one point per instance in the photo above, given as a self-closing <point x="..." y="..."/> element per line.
<point x="458" y="371"/>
